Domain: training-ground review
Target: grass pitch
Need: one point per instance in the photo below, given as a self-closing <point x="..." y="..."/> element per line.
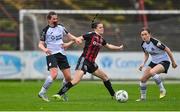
<point x="86" y="96"/>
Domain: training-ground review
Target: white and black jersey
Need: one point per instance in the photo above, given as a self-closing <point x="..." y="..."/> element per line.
<point x="156" y="49"/>
<point x="53" y="38"/>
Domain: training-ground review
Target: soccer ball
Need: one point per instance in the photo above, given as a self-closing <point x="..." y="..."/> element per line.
<point x="121" y="96"/>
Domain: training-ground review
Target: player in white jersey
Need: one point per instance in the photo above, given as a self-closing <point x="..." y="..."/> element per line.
<point x="51" y="42"/>
<point x="159" y="64"/>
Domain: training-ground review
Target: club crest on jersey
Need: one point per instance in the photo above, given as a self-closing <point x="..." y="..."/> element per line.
<point x="96" y="43"/>
<point x="152" y="49"/>
<point x="53" y="37"/>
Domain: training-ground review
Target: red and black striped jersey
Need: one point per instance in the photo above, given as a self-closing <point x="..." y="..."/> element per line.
<point x="93" y="43"/>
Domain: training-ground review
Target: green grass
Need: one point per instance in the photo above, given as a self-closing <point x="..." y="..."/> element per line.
<point x="87" y="96"/>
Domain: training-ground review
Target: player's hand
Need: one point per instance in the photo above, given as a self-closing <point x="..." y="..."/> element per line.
<point x="47" y="51"/>
<point x="141" y="67"/>
<point x="64" y="46"/>
<point x="78" y="41"/>
<point x="174" y="65"/>
<point x="121" y="47"/>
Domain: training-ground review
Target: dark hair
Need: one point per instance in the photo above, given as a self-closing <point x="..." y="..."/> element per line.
<point x="50" y="14"/>
<point x="145" y="29"/>
<point x="95" y="24"/>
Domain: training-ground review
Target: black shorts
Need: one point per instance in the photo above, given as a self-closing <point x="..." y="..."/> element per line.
<point x="59" y="60"/>
<point x="165" y="64"/>
<point x="86" y="66"/>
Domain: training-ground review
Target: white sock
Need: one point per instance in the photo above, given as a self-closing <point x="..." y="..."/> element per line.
<point x="43" y="90"/>
<point x="46" y="85"/>
<point x="143" y="88"/>
<point x="158" y="81"/>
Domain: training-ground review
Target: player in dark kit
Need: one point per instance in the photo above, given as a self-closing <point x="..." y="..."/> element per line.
<point x="86" y="63"/>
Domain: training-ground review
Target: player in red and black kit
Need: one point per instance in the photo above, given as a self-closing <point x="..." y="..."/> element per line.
<point x="86" y="63"/>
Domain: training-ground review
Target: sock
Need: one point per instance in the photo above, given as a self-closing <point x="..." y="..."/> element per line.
<point x="143" y="88"/>
<point x="109" y="87"/>
<point x="43" y="90"/>
<point x="65" y="88"/>
<point x="64" y="82"/>
<point x="158" y="81"/>
<point x="46" y="85"/>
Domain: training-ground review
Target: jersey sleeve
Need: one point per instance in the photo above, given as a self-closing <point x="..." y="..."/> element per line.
<point x="65" y="31"/>
<point x="158" y="44"/>
<point x="87" y="36"/>
<point x="43" y="35"/>
<point x="104" y="42"/>
<point x="142" y="46"/>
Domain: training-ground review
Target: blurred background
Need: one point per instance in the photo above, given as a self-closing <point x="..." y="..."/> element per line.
<point x="23" y="66"/>
<point x="119" y="29"/>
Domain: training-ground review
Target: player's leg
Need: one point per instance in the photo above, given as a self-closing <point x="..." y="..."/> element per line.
<point x="47" y="83"/>
<point x="63" y="65"/>
<point x="76" y="79"/>
<point x="155" y="71"/>
<point x="102" y="75"/>
<point x="143" y="85"/>
<point x="67" y="75"/>
<point x="52" y="67"/>
<point x="67" y="78"/>
<point x="65" y="68"/>
<point x="80" y="70"/>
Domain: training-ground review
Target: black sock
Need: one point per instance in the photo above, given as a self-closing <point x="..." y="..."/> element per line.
<point x="65" y="88"/>
<point x="109" y="87"/>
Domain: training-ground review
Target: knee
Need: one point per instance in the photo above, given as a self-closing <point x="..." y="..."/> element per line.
<point x="151" y="72"/>
<point x="53" y="75"/>
<point x="105" y="77"/>
<point x="67" y="78"/>
<point x="74" y="82"/>
<point x="143" y="80"/>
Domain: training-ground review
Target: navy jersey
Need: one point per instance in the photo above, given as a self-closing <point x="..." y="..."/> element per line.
<point x="93" y="43"/>
<point x="53" y="38"/>
<point x="156" y="49"/>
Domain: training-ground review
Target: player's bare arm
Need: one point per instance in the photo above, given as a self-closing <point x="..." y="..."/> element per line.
<point x="74" y="38"/>
<point x="114" y="47"/>
<point x="68" y="44"/>
<point x="146" y="56"/>
<point x="43" y="48"/>
<point x="169" y="52"/>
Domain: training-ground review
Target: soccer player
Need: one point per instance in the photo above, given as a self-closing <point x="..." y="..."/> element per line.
<point x="86" y="63"/>
<point x="159" y="64"/>
<point x="51" y="42"/>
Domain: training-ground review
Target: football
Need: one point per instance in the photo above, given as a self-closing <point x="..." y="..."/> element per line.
<point x="121" y="96"/>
